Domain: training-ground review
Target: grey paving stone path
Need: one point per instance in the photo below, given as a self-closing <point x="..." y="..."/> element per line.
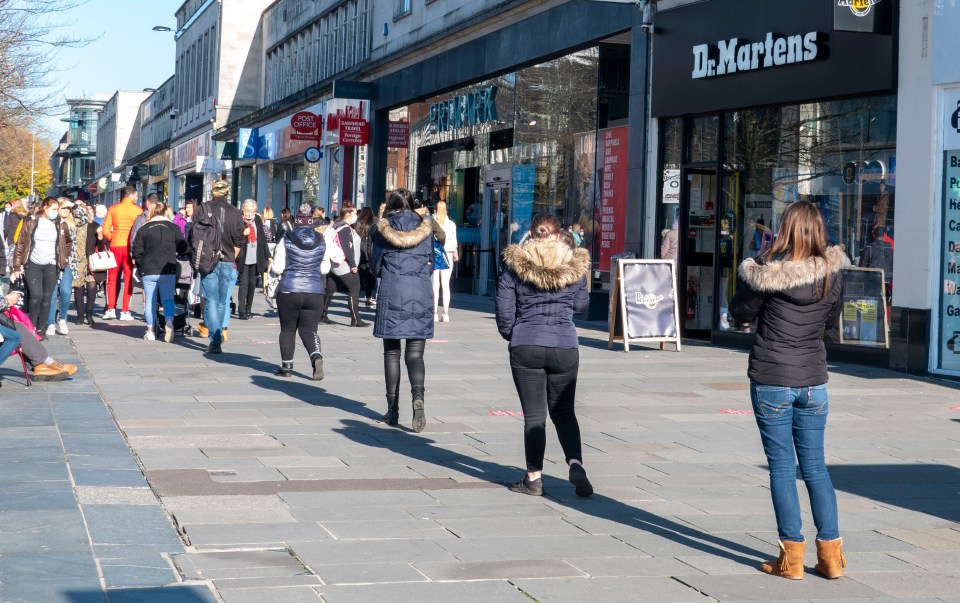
<point x="264" y="489"/>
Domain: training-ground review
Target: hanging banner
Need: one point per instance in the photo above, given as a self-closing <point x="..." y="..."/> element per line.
<point x="613" y="193"/>
<point x="523" y="178"/>
<point x="354" y="132"/>
<point x="398" y="135"/>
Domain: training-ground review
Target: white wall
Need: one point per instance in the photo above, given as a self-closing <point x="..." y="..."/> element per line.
<point x="916" y="126"/>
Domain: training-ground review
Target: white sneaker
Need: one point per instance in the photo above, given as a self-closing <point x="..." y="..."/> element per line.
<point x="445" y="317"/>
<point x="126" y="316"/>
<point x="109" y="315"/>
<point x="51" y="330"/>
<point x="62" y="327"/>
<point x="436" y="318"/>
<point x="149" y="336"/>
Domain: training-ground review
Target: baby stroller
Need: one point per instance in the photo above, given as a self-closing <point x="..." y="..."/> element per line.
<point x="181" y="299"/>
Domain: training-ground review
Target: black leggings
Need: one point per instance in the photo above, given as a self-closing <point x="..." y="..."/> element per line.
<point x="413" y="357"/>
<point x="350" y="281"/>
<point x="546" y="380"/>
<point x="85" y="297"/>
<point x="248" y="286"/>
<point x="299" y="312"/>
<point x="41" y="281"/>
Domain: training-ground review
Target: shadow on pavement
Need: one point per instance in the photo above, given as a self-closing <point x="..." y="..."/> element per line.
<point x="423" y="449"/>
<point x="164" y="594"/>
<point x="311" y="393"/>
<point x="930" y="489"/>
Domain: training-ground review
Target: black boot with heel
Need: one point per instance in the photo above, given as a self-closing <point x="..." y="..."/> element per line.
<point x="392" y="416"/>
<point x="419" y="417"/>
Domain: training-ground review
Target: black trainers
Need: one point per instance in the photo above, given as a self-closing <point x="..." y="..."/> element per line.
<point x="578" y="477"/>
<point x="525" y="486"/>
<point x="213" y="348"/>
<point x="285" y="370"/>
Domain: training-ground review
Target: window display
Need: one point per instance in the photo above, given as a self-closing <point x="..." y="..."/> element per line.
<point x="840" y="155"/>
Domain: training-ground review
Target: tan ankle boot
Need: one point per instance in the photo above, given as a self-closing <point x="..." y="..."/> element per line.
<point x="790" y="563"/>
<point x="830" y="559"/>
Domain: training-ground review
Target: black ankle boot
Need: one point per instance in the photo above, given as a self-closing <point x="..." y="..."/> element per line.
<point x="317" y="361"/>
<point x="392" y="416"/>
<point x="355" y="320"/>
<point x="324" y="319"/>
<point x="419" y="417"/>
<point x="285" y="370"/>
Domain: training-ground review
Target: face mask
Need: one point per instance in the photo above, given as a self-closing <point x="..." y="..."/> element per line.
<point x="52" y="214"/>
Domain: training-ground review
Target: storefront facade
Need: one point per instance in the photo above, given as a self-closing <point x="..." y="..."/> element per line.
<point x="759" y="105"/>
<point x="192" y="168"/>
<point x="518" y="136"/>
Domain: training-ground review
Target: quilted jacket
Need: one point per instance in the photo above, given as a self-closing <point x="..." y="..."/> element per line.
<point x="403" y="259"/>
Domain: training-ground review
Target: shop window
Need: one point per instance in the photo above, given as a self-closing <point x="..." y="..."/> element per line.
<point x="840" y="156"/>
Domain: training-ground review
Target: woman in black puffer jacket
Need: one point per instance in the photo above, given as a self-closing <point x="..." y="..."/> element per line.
<point x="544" y="285"/>
<point x="155" y="251"/>
<point x="794" y="292"/>
<point x="403" y="259"/>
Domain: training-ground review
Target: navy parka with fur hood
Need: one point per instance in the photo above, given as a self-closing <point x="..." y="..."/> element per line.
<point x="403" y="259"/>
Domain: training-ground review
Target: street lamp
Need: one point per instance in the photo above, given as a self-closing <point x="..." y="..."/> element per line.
<point x="161" y="28"/>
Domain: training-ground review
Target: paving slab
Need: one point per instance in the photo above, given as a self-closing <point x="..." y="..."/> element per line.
<point x="289" y="490"/>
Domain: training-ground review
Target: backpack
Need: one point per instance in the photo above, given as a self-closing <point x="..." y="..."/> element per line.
<point x="206" y="240"/>
<point x="334" y="249"/>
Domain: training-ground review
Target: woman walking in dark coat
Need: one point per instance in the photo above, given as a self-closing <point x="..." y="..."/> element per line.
<point x="543" y="286"/>
<point x="794" y="290"/>
<point x="300" y="260"/>
<point x="403" y="259"/>
<point x="252" y="259"/>
<point x="364" y="228"/>
<point x="155" y="251"/>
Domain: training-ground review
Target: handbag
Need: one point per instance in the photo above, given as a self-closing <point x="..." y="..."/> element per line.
<point x="102" y="261"/>
<point x="439" y="256"/>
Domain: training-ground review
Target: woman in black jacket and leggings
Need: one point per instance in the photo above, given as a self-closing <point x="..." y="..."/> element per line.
<point x="793" y="290"/>
<point x="543" y="286"/>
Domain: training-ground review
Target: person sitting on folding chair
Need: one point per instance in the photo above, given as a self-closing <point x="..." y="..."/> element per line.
<point x="15" y="327"/>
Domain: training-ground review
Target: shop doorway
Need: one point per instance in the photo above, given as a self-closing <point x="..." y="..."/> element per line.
<point x="697" y="260"/>
<point x="496" y="218"/>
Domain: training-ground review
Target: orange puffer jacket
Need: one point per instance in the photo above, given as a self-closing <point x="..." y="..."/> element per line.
<point x="119" y="221"/>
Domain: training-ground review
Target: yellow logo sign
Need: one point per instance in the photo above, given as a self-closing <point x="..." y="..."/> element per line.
<point x="860" y="8"/>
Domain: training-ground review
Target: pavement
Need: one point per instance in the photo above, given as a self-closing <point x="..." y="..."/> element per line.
<point x="158" y="474"/>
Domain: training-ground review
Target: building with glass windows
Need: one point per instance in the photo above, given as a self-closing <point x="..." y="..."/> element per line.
<point x="757" y="105"/>
<point x="504" y="123"/>
<point x="74" y="161"/>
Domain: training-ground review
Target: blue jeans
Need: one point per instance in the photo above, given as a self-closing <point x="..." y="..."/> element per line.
<point x="217" y="289"/>
<point x="165" y="283"/>
<point x="11" y="339"/>
<point x="794" y="418"/>
<point x="62" y="291"/>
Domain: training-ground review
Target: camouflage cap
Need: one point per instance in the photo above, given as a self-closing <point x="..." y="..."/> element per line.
<point x="220" y="189"/>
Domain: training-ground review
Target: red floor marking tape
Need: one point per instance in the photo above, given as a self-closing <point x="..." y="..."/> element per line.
<point x="505" y="413"/>
<point x="735" y="411"/>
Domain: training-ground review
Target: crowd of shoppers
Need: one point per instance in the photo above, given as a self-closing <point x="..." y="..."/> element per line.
<point x="403" y="261"/>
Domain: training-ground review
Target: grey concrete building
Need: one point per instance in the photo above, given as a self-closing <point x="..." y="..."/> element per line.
<point x="149" y="169"/>
<point x="218" y="74"/>
<point x="118" y="140"/>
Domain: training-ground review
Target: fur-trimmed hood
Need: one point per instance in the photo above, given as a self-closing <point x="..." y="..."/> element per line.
<point x="404" y="239"/>
<point x="547" y="265"/>
<point x="780" y="276"/>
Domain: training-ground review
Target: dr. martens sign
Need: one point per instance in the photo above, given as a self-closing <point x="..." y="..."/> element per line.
<point x="737" y="55"/>
<point x="725" y="55"/>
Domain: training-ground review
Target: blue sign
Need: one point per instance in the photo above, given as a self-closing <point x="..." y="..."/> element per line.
<point x="249" y="143"/>
<point x="524" y="177"/>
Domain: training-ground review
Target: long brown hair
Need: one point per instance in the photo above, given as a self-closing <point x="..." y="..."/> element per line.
<point x="802" y="235"/>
